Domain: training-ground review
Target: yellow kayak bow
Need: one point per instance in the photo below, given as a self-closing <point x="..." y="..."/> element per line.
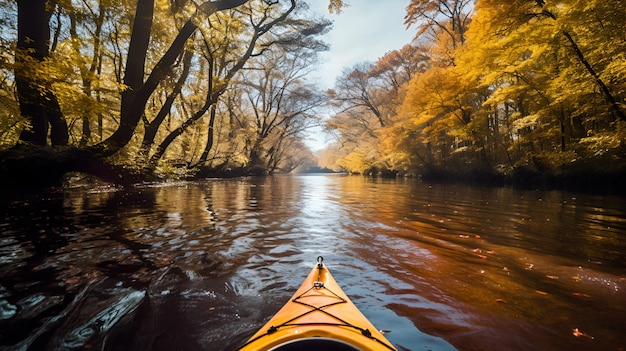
<point x="319" y="316"/>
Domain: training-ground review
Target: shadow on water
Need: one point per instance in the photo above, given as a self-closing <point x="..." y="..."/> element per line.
<point x="201" y="266"/>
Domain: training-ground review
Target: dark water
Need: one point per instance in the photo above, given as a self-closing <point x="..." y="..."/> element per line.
<point x="201" y="266"/>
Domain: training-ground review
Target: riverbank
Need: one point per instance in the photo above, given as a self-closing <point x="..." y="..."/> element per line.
<point x="38" y="171"/>
<point x="602" y="175"/>
<point x="595" y="182"/>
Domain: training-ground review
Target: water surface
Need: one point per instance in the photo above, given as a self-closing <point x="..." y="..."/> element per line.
<point x="202" y="265"/>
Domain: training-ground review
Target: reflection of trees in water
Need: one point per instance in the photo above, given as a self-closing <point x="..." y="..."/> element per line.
<point x="63" y="236"/>
<point x="28" y="288"/>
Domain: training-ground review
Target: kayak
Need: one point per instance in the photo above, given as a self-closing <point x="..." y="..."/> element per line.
<point x="319" y="316"/>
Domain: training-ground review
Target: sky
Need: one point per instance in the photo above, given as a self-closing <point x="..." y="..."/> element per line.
<point x="363" y="32"/>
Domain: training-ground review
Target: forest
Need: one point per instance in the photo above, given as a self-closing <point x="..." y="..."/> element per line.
<point x="489" y="90"/>
<point x="529" y="92"/>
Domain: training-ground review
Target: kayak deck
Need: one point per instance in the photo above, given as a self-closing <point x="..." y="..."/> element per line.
<point x="315" y="344"/>
<point x="319" y="316"/>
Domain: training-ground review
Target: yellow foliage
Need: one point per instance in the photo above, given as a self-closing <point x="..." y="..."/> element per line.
<point x="355" y="162"/>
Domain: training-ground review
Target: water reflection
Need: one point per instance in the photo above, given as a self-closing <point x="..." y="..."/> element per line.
<point x="202" y="265"/>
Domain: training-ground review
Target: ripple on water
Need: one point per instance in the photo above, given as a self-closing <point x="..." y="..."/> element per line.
<point x="202" y="265"/>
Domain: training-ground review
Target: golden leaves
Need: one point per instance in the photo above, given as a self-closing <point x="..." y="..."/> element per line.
<point x="335" y="6"/>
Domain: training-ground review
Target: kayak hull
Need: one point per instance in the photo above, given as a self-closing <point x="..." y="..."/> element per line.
<point x="318" y="316"/>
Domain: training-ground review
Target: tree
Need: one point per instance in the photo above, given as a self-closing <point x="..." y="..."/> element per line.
<point x="534" y="84"/>
<point x="398" y="67"/>
<point x="140" y="69"/>
<point x="134" y="100"/>
<point x="367" y="98"/>
<point x="553" y="89"/>
<point x="274" y="27"/>
<point x="440" y="17"/>
<point x="38" y="104"/>
<point x="356" y="90"/>
<point x="282" y="108"/>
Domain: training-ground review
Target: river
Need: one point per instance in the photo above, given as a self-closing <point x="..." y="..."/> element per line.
<point x="202" y="265"/>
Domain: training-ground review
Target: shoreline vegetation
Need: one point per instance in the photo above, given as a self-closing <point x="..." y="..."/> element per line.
<point x="42" y="168"/>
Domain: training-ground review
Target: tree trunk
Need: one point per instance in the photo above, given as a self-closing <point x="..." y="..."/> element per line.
<point x="615" y="108"/>
<point x="256" y="163"/>
<point x="137" y="51"/>
<point x="38" y="104"/>
<point x="153" y="127"/>
<point x="160" y="151"/>
<point x="210" y="130"/>
<point x="210" y="137"/>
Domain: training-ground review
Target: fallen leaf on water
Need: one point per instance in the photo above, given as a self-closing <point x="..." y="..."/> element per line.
<point x="211" y="308"/>
<point x="581" y="294"/>
<point x="577" y="333"/>
<point x="491" y="252"/>
<point x="92" y="275"/>
<point x="541" y="292"/>
<point x="72" y="280"/>
<point x="552" y="276"/>
<point x="477" y="250"/>
<point x="500" y="301"/>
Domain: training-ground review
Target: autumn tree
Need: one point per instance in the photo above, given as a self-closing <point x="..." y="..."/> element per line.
<point x="279" y="103"/>
<point x="398" y="67"/>
<point x="38" y="104"/>
<point x="135" y="58"/>
<point x="560" y="89"/>
<point x="505" y="87"/>
<point x="223" y="68"/>
<point x="258" y="31"/>
<point x="533" y="84"/>
<point x="134" y="98"/>
<point x="441" y="21"/>
<point x="378" y="91"/>
<point x="366" y="99"/>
